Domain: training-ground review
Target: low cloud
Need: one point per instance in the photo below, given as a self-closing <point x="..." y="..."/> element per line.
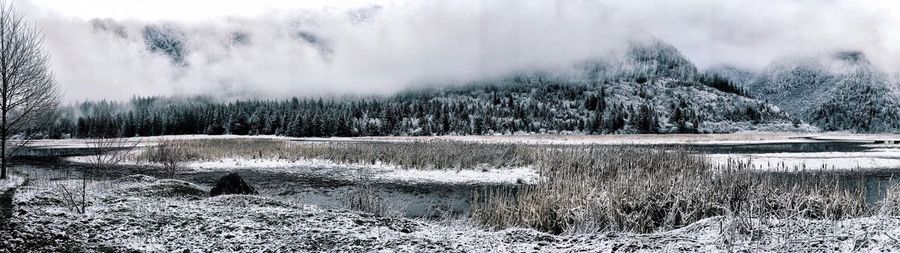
<point x="384" y="49"/>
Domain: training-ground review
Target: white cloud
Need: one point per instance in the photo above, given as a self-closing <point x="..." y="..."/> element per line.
<point x="408" y="43"/>
<point x="187" y="10"/>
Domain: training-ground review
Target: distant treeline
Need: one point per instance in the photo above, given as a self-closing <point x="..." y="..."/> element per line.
<point x="527" y="105"/>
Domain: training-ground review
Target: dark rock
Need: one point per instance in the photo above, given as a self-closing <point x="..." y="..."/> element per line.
<point x="232" y="184"/>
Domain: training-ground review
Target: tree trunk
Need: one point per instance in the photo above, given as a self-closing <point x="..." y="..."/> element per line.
<point x="3" y="154"/>
<point x="3" y="132"/>
<point x="4" y="109"/>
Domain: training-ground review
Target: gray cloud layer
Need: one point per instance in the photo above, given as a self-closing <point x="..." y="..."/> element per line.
<point x="382" y="50"/>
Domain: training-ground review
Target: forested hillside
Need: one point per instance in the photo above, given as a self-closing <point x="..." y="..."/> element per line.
<point x="840" y="91"/>
<point x="651" y="89"/>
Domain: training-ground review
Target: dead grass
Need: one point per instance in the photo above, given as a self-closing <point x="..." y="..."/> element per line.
<point x="649" y="189"/>
<point x="890" y="205"/>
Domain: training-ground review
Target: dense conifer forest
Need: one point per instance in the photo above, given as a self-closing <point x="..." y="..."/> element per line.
<point x="534" y="104"/>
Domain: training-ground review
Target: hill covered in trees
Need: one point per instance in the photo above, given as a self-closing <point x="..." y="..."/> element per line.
<point x="840" y="91"/>
<point x="652" y="88"/>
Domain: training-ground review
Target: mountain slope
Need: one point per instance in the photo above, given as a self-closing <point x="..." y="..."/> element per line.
<point x="841" y="91"/>
<point x="683" y="99"/>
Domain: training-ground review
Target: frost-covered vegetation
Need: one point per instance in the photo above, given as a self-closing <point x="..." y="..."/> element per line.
<point x="594" y="189"/>
<point x="840" y="91"/>
<point x="412" y="155"/>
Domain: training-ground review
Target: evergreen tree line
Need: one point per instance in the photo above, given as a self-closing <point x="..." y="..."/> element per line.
<point x="722" y="84"/>
<point x="526" y="107"/>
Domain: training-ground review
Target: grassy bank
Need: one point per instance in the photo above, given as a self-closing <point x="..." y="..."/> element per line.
<point x="646" y="190"/>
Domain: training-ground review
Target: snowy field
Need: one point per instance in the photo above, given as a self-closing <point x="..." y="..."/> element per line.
<point x="123" y="219"/>
<point x="302" y="204"/>
<point x="378" y="172"/>
<point x="11" y="182"/>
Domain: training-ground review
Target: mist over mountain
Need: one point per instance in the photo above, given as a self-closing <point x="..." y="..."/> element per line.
<point x="372" y="50"/>
<point x="645" y="77"/>
<point x="386" y="48"/>
<point x="738" y="76"/>
<point x="715" y="58"/>
<point x="837" y="91"/>
<point x="651" y="88"/>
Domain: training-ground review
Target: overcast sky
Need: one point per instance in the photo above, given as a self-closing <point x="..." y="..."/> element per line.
<point x="188" y="10"/>
<point x="363" y="48"/>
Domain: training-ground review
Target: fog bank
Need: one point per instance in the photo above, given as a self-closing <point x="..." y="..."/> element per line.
<point x="385" y="48"/>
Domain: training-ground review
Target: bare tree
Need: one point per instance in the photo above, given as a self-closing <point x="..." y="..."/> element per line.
<point x="28" y="93"/>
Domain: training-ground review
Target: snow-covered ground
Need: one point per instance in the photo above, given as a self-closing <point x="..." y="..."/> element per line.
<point x="377" y="172"/>
<point x="369" y="172"/>
<point x="878" y="158"/>
<point x="119" y="220"/>
<point x="10" y="182"/>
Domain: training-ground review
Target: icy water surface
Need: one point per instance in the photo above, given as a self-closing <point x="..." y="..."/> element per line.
<point x="825" y="155"/>
<point x="858" y="165"/>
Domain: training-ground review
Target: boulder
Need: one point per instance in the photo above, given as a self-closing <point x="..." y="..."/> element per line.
<point x="232" y="184"/>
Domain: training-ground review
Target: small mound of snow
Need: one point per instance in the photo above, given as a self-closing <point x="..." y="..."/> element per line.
<point x="136" y="178"/>
<point x="10" y="182"/>
<point x="244" y="201"/>
<point x="164" y="188"/>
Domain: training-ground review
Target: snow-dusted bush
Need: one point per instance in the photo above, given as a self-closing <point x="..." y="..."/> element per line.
<point x="170" y="154"/>
<point x="890" y="205"/>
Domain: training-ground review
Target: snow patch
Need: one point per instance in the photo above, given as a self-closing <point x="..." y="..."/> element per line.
<point x="11" y="181"/>
<point x="377" y="171"/>
<point x="881" y="158"/>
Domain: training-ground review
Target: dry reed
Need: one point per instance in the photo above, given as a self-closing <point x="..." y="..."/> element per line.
<point x="589" y="189"/>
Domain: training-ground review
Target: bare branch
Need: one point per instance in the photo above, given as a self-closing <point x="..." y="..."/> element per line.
<point x="28" y="92"/>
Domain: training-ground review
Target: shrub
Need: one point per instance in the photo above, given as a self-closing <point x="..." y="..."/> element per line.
<point x="170" y="154"/>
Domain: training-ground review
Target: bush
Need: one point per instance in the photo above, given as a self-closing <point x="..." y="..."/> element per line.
<point x="170" y="154"/>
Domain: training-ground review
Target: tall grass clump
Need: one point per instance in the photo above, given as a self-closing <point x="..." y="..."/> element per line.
<point x="644" y="189"/>
<point x="890" y="205"/>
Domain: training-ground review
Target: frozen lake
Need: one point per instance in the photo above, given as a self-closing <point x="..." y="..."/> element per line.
<point x="823" y="155"/>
